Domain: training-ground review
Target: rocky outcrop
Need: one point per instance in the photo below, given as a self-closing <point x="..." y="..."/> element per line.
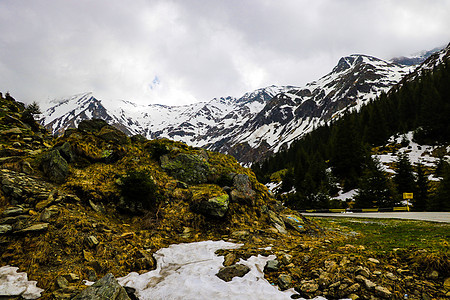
<point x="54" y="166"/>
<point x="212" y="207"/>
<point x="189" y="168"/>
<point x="105" y="288"/>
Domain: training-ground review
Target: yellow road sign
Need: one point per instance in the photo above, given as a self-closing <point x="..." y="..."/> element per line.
<point x="407" y="195"/>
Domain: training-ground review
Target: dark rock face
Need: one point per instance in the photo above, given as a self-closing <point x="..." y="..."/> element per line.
<point x="112" y="135"/>
<point x="228" y="273"/>
<point x="93" y="125"/>
<point x="54" y="166"/>
<point x="105" y="288"/>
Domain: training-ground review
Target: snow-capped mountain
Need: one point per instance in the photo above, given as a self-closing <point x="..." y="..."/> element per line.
<point x="252" y="126"/>
<point x="184" y="123"/>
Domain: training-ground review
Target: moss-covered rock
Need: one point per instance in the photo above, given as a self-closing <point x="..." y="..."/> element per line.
<point x="212" y="207"/>
<point x="189" y="168"/>
<point x="54" y="166"/>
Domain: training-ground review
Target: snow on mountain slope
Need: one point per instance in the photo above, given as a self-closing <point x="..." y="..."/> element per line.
<point x="289" y="115"/>
<point x="184" y="123"/>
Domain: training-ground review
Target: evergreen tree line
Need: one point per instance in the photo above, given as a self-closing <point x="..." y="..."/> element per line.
<point x="339" y="154"/>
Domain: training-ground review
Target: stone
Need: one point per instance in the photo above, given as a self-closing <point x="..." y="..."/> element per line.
<point x="363" y="271"/>
<point x="284" y="281"/>
<point x="213" y="207"/>
<point x="16" y="145"/>
<point x="286" y="259"/>
<point x="373" y="260"/>
<point x="307" y="287"/>
<point x="72" y="277"/>
<point x="54" y="166"/>
<point x="48" y="213"/>
<point x="353" y="288"/>
<point x="113" y="135"/>
<point x="105" y="288"/>
<point x="272" y="266"/>
<point x="367" y="283"/>
<point x="229" y="259"/>
<point x="5" y="229"/>
<point x="35" y="228"/>
<point x="433" y="275"/>
<point x="13" y="211"/>
<point x="92" y="241"/>
<point x="353" y="296"/>
<point x="62" y="282"/>
<point x="228" y="273"/>
<point x="242" y="191"/>
<point x="391" y="276"/>
<point x="383" y="292"/>
<point x="44" y="203"/>
<point x="294" y="222"/>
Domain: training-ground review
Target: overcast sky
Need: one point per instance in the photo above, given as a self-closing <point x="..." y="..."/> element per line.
<point x="179" y="52"/>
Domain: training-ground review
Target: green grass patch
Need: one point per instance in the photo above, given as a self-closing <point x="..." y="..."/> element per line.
<point x="381" y="235"/>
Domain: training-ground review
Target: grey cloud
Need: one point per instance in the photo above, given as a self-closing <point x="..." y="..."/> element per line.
<point x="198" y="49"/>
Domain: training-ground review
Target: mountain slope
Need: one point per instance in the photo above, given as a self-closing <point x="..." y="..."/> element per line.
<point x="250" y="127"/>
<point x="288" y="116"/>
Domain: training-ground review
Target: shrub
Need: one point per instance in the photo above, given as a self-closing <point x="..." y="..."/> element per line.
<point x="138" y="190"/>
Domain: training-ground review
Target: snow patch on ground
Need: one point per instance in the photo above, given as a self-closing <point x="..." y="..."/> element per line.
<point x="188" y="271"/>
<point x="347" y="195"/>
<point x="13" y="283"/>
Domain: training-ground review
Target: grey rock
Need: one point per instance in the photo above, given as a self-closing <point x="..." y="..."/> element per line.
<point x="62" y="282"/>
<point x="294" y="222"/>
<point x="391" y="276"/>
<point x="54" y="166"/>
<point x="228" y="273"/>
<point x="13" y="211"/>
<point x="354" y="288"/>
<point x="367" y="283"/>
<point x="307" y="287"/>
<point x="5" y="229"/>
<point x="284" y="281"/>
<point x="34" y="228"/>
<point x="286" y="259"/>
<point x="105" y="288"/>
<point x="229" y="259"/>
<point x="363" y="271"/>
<point x="188" y="168"/>
<point x="213" y="207"/>
<point x="383" y="292"/>
<point x="242" y="190"/>
<point x="240" y="234"/>
<point x="272" y="265"/>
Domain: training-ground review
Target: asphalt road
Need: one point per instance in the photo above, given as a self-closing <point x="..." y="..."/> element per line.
<point x="443" y="217"/>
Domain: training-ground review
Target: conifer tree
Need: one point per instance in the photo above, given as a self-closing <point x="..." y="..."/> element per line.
<point x="441" y="201"/>
<point x="373" y="190"/>
<point x="420" y="198"/>
<point x="404" y="176"/>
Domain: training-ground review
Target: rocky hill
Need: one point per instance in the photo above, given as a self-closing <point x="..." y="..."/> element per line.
<point x="95" y="203"/>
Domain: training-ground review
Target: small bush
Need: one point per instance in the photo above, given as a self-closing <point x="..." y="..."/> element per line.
<point x="138" y="190"/>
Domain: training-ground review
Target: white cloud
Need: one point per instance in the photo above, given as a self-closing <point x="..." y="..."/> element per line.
<point x="198" y="49"/>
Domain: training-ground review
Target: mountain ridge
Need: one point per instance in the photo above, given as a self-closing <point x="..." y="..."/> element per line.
<point x="251" y="127"/>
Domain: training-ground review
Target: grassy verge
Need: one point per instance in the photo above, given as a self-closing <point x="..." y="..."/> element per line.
<point x="384" y="235"/>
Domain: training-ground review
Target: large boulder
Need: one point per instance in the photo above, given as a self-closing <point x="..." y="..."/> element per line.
<point x="212" y="207"/>
<point x="54" y="166"/>
<point x="105" y="288"/>
<point x="112" y="135"/>
<point x="189" y="168"/>
<point x="242" y="190"/>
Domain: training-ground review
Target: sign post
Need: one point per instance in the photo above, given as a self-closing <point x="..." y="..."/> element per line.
<point x="407" y="197"/>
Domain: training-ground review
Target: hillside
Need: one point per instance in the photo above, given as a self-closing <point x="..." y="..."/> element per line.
<point x="94" y="202"/>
